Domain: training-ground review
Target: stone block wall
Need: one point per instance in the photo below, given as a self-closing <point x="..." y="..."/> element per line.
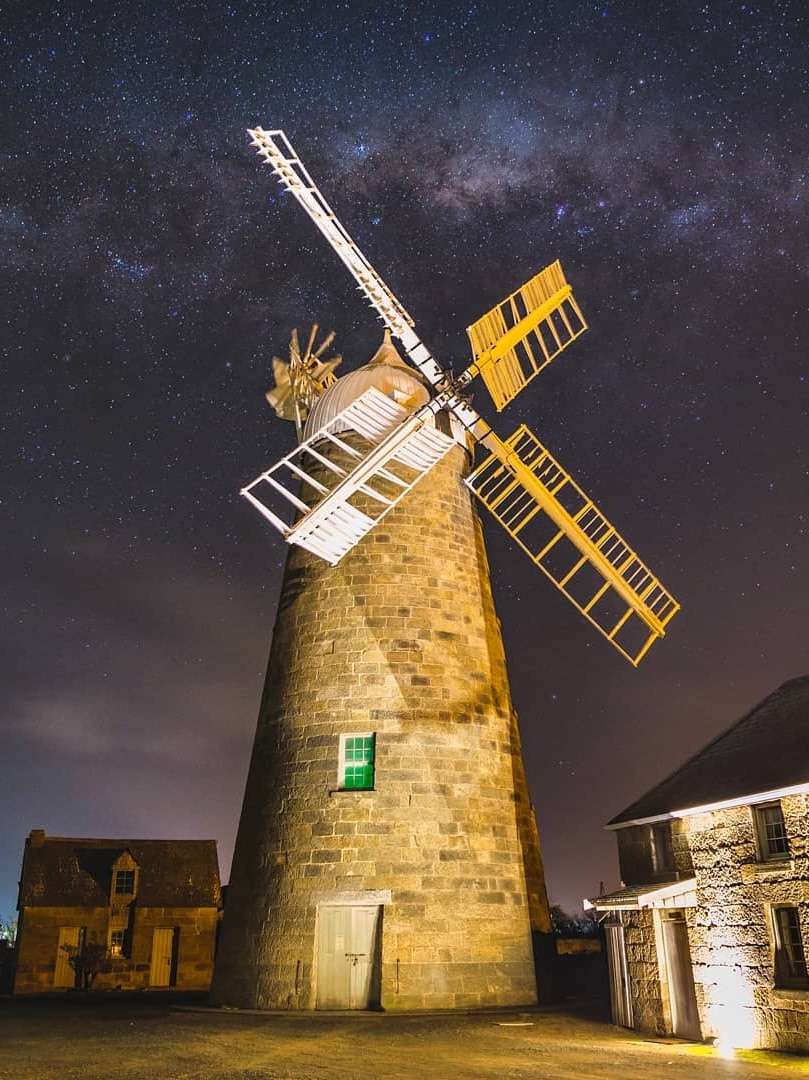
<point x="731" y="929"/>
<point x="640" y="937"/>
<point x="39" y="943"/>
<point x="400" y="640"/>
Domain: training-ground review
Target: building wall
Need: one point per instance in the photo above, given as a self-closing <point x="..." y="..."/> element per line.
<point x="39" y="941"/>
<point x="730" y="930"/>
<point x="400" y="639"/>
<point x="642" y="955"/>
<point x="731" y="935"/>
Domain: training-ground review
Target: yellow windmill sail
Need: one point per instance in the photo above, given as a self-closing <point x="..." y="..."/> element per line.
<point x="514" y="341"/>
<point x="566" y="535"/>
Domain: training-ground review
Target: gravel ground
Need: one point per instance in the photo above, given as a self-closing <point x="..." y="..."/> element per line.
<point x="152" y="1039"/>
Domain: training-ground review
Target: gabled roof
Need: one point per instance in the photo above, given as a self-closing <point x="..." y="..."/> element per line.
<point x="767" y="750"/>
<point x="62" y="871"/>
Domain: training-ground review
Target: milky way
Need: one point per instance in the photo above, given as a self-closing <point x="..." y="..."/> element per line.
<point x="151" y="267"/>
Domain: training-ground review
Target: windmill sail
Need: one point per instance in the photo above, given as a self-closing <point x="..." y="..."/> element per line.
<point x="344" y="493"/>
<point x="567" y="536"/>
<point x="277" y="151"/>
<point x="344" y="479"/>
<point x="514" y="341"/>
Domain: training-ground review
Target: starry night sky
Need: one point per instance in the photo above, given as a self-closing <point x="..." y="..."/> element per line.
<point x="151" y="268"/>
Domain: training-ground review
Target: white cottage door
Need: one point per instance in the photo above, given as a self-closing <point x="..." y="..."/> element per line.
<point x="347" y="957"/>
<point x="680" y="976"/>
<point x="620" y="993"/>
<point x="161" y="971"/>
<point x="64" y="975"/>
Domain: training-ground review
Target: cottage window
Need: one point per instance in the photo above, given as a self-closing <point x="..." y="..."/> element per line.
<point x="118" y="943"/>
<point x="124" y="882"/>
<point x="772" y="833"/>
<point x="357" y="753"/>
<point x="790" y="959"/>
<point x="662" y="851"/>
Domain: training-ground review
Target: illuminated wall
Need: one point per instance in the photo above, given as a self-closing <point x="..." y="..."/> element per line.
<point x="748" y="995"/>
<point x="732" y="932"/>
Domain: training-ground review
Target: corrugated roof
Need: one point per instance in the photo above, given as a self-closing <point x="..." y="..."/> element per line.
<point x="634" y="897"/>
<point x="76" y="872"/>
<point x="766" y="750"/>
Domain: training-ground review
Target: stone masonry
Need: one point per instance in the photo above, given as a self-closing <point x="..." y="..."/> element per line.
<point x="401" y="640"/>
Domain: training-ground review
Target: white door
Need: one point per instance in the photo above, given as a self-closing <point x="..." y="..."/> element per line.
<point x="348" y="957"/>
<point x="620" y="991"/>
<point x="162" y="970"/>
<point x="680" y="976"/>
<point x="64" y="975"/>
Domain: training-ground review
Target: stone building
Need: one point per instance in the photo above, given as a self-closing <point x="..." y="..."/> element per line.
<point x="387" y="854"/>
<point x="709" y="935"/>
<point x="147" y="908"/>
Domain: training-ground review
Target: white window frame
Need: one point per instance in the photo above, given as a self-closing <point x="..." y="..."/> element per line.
<point x="763" y="841"/>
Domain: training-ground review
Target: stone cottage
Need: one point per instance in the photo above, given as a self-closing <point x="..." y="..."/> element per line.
<point x="143" y="912"/>
<point x="709" y="935"/>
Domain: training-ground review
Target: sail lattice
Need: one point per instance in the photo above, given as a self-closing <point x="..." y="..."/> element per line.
<point x="566" y="535"/>
<point x="514" y="341"/>
<point x="334" y="488"/>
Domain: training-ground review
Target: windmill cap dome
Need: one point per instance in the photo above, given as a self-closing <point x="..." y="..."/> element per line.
<point x="386" y="371"/>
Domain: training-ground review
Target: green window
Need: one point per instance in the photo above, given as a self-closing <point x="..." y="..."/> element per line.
<point x="357" y="762"/>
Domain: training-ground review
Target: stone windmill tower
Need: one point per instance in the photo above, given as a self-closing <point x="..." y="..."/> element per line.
<point x="387" y="854"/>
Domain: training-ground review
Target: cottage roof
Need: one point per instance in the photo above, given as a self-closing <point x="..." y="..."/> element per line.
<point x="767" y="750"/>
<point x="62" y="871"/>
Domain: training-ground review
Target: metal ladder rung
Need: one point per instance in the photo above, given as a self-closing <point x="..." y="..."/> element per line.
<point x="572" y="573"/>
<point x="296" y="502"/>
<point x="538" y="558"/>
<point x="592" y="603"/>
<point x="307" y="478"/>
<point x="326" y="461"/>
<point x="377" y="496"/>
<point x="392" y="478"/>
<point x="621" y="622"/>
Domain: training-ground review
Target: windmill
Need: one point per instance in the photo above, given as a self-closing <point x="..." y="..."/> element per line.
<point x="387" y="853"/>
<point x="520" y="482"/>
<point x="301" y="380"/>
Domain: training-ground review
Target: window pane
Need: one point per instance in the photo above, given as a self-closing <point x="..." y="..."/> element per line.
<point x="358" y="762"/>
<point x="124" y="882"/>
<point x="663" y="852"/>
<point x="790" y="958"/>
<point x="772" y="832"/>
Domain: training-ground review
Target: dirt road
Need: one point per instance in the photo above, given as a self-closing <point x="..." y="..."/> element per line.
<point x="119" y="1039"/>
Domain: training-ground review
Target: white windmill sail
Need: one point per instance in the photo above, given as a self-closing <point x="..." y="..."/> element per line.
<point x="340" y="487"/>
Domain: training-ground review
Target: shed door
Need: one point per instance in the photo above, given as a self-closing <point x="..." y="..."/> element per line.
<point x="64" y="975"/>
<point x="163" y="970"/>
<point x="348" y="957"/>
<point x="680" y="976"/>
<point x="620" y="992"/>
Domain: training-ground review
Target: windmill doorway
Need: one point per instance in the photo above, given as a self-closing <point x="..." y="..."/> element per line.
<point x="348" y="956"/>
